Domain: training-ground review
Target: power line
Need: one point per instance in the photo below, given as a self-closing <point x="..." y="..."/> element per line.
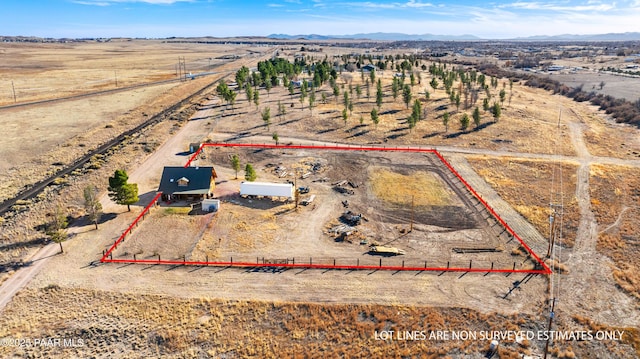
<point x="556" y="224"/>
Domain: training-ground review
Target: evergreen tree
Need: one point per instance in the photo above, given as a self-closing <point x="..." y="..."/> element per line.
<point x="120" y="191"/>
<point x="464" y="121"/>
<point x="445" y="121"/>
<point x="256" y="98"/>
<point x="434" y="83"/>
<point x="312" y="100"/>
<point x="395" y="88"/>
<point x="476" y="117"/>
<point x="249" y="92"/>
<point x="249" y="173"/>
<point x="497" y="111"/>
<point x="374" y="117"/>
<point x="235" y="164"/>
<point x="379" y="94"/>
<point x="291" y="89"/>
<point x="266" y="116"/>
<point x="406" y="95"/>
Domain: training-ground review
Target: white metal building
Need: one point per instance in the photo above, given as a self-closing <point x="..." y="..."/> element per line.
<point x="266" y="189"/>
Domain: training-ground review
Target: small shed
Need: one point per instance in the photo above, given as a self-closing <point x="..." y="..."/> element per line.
<point x="210" y="205"/>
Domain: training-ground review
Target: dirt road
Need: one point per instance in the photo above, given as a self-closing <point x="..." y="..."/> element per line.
<point x="24" y="275"/>
<point x="589" y="287"/>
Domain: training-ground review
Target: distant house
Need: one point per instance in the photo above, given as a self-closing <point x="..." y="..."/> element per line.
<point x="298" y="83"/>
<point x="187" y="183"/>
<point x="368" y="68"/>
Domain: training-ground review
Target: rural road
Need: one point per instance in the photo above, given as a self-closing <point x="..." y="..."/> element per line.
<point x="24" y="275"/>
<point x="227" y="137"/>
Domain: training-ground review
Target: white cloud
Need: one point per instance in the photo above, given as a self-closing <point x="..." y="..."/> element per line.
<point x="111" y="2"/>
<point x="391" y="5"/>
<point x="417" y="4"/>
<point x="534" y="5"/>
<point x="94" y="3"/>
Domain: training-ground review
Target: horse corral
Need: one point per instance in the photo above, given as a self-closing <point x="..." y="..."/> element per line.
<point x="405" y="208"/>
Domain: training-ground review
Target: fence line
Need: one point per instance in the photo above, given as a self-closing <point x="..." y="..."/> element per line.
<point x="109" y="253"/>
<point x="108" y="256"/>
<point x="310" y="263"/>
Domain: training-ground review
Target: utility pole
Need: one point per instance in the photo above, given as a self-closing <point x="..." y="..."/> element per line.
<point x="559" y="117"/>
<point x="296" y="193"/>
<point x="14" y="92"/>
<point x="183" y="66"/>
<point x="115" y="75"/>
<point x="552" y="314"/>
<point x="412" y="213"/>
<point x="555" y="220"/>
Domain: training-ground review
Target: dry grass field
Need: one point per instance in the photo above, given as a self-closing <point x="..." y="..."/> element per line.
<point x="56" y="134"/>
<point x="513" y="132"/>
<point x="616" y="202"/>
<point x="132" y="311"/>
<point x="142" y="326"/>
<point x="526" y="185"/>
<point x="45" y="71"/>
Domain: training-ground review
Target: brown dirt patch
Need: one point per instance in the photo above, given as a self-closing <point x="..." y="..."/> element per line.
<point x="418" y="188"/>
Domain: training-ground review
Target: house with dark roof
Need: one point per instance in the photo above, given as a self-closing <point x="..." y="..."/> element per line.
<point x="187" y="183"/>
<point x="368" y="68"/>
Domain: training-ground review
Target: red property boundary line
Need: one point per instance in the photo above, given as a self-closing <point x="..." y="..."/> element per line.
<point x="107" y="257"/>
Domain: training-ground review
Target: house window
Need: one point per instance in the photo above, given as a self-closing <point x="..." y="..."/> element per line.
<point x="183" y="182"/>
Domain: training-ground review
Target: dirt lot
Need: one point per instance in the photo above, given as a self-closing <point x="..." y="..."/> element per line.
<point x="527" y="131"/>
<point x="445" y="224"/>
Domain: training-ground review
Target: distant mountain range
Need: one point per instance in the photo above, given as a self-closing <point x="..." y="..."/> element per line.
<point x="389" y="36"/>
<point x="385" y="36"/>
<point x="625" y="36"/>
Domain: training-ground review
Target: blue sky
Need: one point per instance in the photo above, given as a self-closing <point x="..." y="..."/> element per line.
<point x="164" y="18"/>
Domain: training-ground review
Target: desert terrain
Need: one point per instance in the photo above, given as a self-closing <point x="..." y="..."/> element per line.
<point x="544" y="149"/>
